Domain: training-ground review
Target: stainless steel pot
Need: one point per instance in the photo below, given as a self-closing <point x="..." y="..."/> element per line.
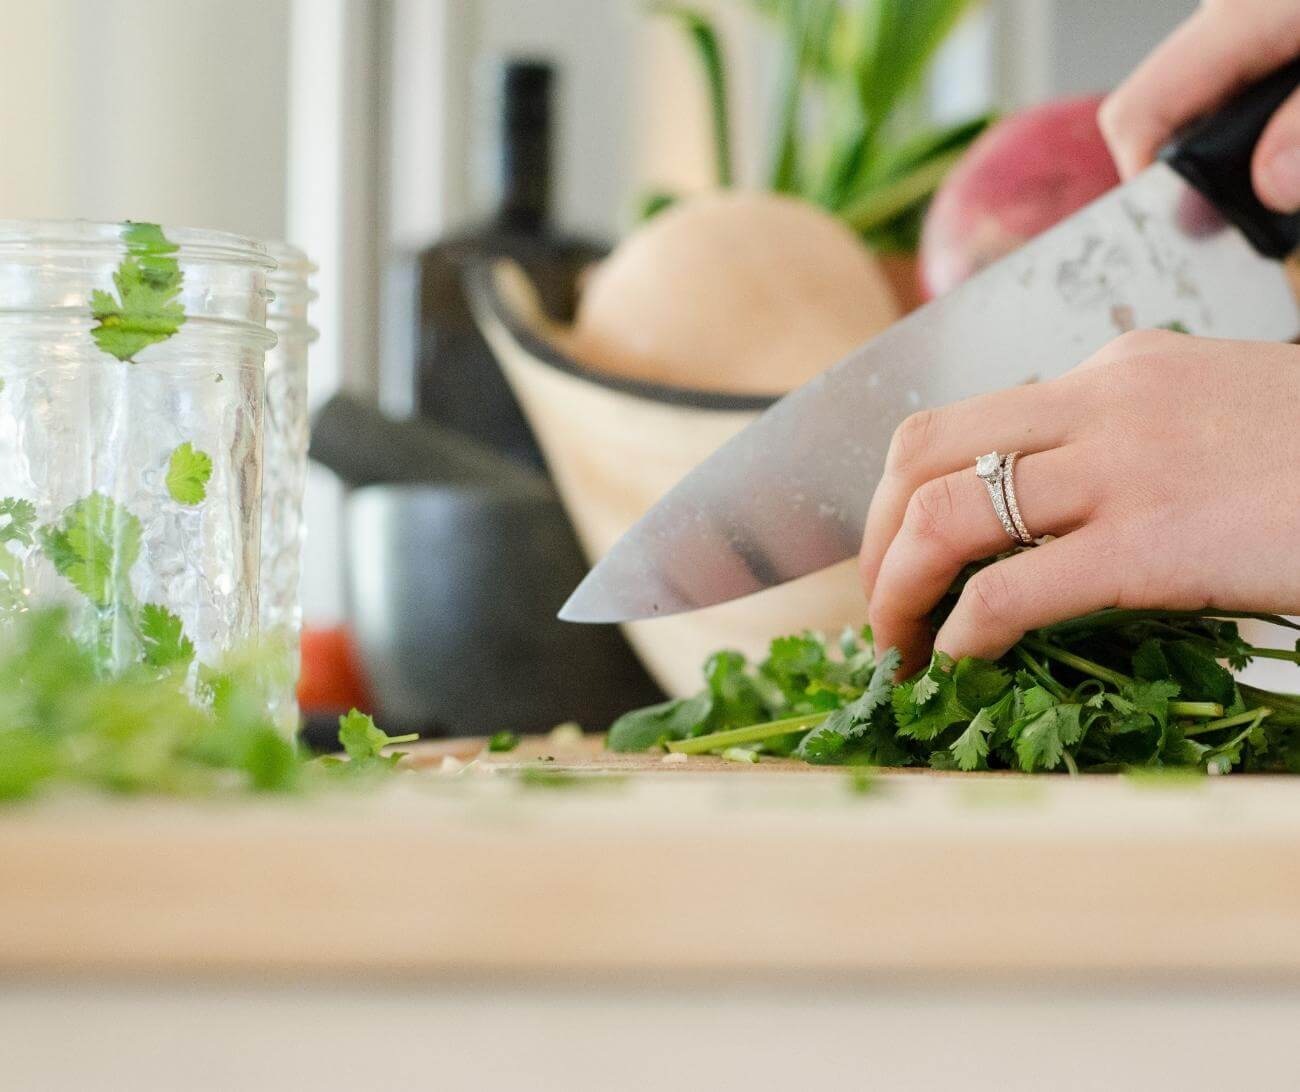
<point x="453" y="590"/>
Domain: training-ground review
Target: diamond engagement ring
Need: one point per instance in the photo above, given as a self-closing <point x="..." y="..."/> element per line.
<point x="997" y="473"/>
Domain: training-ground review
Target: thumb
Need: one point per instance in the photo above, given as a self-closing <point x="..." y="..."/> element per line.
<point x="1276" y="167"/>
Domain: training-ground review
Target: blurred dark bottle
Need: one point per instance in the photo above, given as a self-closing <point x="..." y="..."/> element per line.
<point x="458" y="384"/>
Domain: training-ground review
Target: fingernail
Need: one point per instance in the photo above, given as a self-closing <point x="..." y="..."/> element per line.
<point x="1281" y="181"/>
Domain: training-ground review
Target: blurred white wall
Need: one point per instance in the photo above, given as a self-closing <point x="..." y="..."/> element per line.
<point x="1093" y="44"/>
<point x="172" y="111"/>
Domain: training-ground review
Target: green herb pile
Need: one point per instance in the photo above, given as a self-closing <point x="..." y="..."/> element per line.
<point x="63" y="725"/>
<point x="1115" y="690"/>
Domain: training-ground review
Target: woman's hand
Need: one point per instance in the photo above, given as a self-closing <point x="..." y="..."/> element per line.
<point x="1168" y="466"/>
<point x="1226" y="45"/>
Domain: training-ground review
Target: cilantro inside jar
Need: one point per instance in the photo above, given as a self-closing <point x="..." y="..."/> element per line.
<point x="131" y="415"/>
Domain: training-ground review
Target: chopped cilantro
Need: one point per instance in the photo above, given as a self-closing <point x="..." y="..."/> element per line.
<point x="364" y="741"/>
<point x="1061" y="700"/>
<point x="503" y="741"/>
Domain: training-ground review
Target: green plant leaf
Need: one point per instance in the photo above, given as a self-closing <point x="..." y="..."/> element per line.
<point x="642" y="729"/>
<point x="17" y="520"/>
<point x="188" y="473"/>
<point x="93" y="547"/>
<point x="708" y="49"/>
<point x="163" y="638"/>
<point x="971" y="748"/>
<point x="808" y="27"/>
<point x="145" y="310"/>
<point x="927" y="704"/>
<point x="1041" y="740"/>
<point x="364" y="741"/>
<point x="899" y="39"/>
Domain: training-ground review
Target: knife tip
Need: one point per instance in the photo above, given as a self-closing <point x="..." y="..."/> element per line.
<point x="579" y="607"/>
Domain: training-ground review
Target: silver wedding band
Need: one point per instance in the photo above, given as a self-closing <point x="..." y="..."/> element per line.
<point x="998" y="473"/>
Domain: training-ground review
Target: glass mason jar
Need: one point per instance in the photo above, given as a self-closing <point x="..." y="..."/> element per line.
<point x="284" y="473"/>
<point x="131" y="403"/>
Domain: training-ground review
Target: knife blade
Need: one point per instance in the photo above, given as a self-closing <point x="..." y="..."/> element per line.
<point x="789" y="495"/>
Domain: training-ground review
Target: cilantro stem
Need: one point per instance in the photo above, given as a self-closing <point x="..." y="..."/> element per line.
<point x="1195" y="709"/>
<point x="755" y="733"/>
<point x="1247" y="717"/>
<point x="1116" y="617"/>
<point x="1041" y="673"/>
<point x="1070" y="659"/>
<point x="1115" y="678"/>
<point x="1275" y="654"/>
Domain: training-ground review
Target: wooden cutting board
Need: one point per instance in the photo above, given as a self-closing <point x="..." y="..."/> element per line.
<point x="586" y="756"/>
<point x="642" y="866"/>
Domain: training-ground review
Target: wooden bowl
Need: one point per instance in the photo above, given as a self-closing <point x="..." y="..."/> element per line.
<point x="615" y="446"/>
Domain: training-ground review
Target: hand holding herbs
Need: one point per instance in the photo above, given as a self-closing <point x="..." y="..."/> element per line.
<point x="1113" y="691"/>
<point x="1165" y="466"/>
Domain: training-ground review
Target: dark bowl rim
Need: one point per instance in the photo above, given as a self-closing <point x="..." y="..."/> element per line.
<point x="486" y="301"/>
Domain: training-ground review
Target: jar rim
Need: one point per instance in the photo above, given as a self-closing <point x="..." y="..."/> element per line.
<point x="290" y="259"/>
<point x="195" y="244"/>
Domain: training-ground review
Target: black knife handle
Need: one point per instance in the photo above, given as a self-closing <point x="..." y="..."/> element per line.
<point x="1214" y="155"/>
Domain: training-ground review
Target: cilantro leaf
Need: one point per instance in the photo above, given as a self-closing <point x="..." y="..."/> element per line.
<point x="642" y="729"/>
<point x="805" y="677"/>
<point x="736" y="700"/>
<point x="1200" y="675"/>
<point x="17" y="519"/>
<point x="163" y="637"/>
<point x="937" y="708"/>
<point x="826" y="743"/>
<point x="971" y="748"/>
<point x="364" y="741"/>
<point x="925" y="688"/>
<point x="823" y="746"/>
<point x="148" y="281"/>
<point x="93" y="547"/>
<point x="853" y="720"/>
<point x="1041" y="740"/>
<point x="503" y="741"/>
<point x="979" y="682"/>
<point x="188" y="472"/>
<point x="1150" y="698"/>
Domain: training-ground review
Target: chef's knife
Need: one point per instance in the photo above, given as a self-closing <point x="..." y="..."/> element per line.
<point x="789" y="494"/>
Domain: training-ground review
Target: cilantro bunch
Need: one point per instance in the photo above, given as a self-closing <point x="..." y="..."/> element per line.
<point x="1112" y="691"/>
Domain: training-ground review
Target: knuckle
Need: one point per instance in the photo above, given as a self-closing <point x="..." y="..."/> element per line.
<point x="1112" y="115"/>
<point x="1139" y="343"/>
<point x="931" y="510"/>
<point x="989" y="598"/>
<point x="911" y="440"/>
<point x="1140" y="365"/>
